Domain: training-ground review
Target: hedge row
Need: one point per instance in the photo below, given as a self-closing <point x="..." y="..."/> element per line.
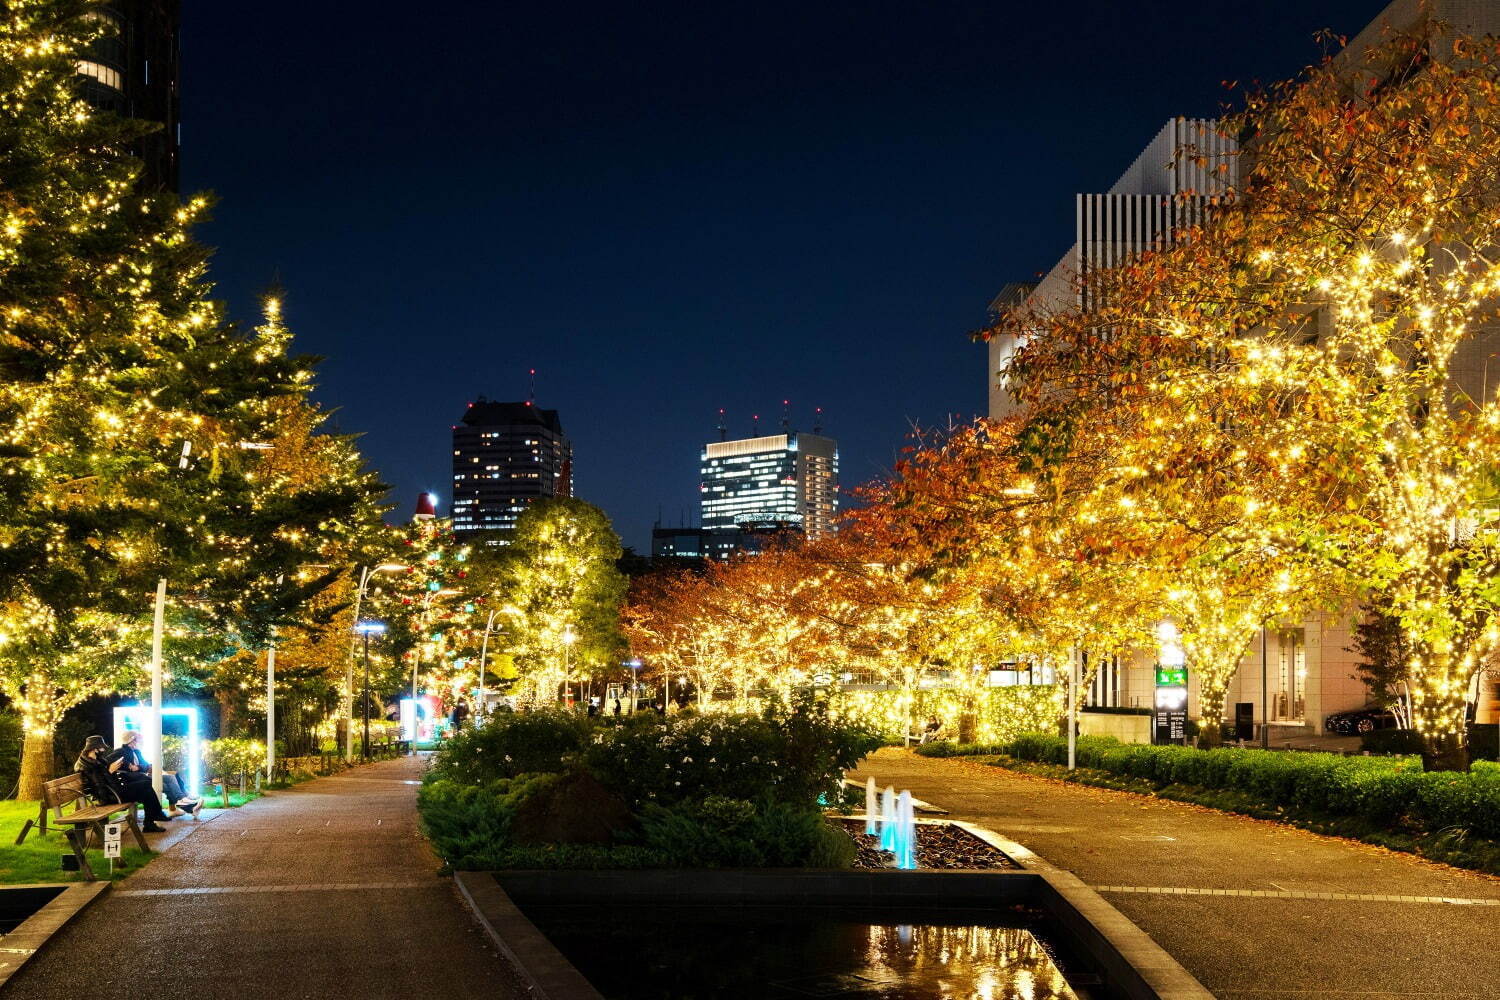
<point x="1382" y="790"/>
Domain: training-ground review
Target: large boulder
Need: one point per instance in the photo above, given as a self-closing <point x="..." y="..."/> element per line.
<point x="576" y="809"/>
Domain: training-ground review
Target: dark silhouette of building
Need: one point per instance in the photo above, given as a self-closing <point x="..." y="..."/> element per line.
<point x="133" y="71"/>
<point x="506" y="455"/>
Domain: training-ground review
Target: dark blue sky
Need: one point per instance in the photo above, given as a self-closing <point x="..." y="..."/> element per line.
<point x="670" y="208"/>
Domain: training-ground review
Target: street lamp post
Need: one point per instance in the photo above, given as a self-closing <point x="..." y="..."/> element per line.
<point x="158" y="629"/>
<point x="367" y="629"/>
<point x="635" y="667"/>
<point x="484" y="650"/>
<point x="271" y="699"/>
<point x="366" y="574"/>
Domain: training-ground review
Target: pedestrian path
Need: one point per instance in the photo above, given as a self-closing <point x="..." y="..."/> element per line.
<point x="1255" y="910"/>
<point x="323" y="890"/>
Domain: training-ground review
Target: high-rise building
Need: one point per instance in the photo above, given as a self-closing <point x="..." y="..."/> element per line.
<point x="133" y="71"/>
<point x="779" y="480"/>
<point x="506" y="455"/>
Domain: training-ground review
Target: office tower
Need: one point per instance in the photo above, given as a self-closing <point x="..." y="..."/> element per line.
<point x="778" y="481"/>
<point x="133" y="71"/>
<point x="506" y="455"/>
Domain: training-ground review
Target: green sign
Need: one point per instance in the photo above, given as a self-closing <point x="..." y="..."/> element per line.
<point x="1171" y="676"/>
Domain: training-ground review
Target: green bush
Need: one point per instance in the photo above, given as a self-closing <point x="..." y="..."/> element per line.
<point x="467" y="823"/>
<point x="512" y="744"/>
<point x="733" y="833"/>
<point x="943" y="748"/>
<point x="794" y="754"/>
<point x="1001" y="713"/>
<point x="1384" y="791"/>
<point x="229" y="757"/>
<point x="709" y="790"/>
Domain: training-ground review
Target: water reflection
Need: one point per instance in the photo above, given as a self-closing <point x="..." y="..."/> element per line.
<point x="990" y="963"/>
<point x="687" y="953"/>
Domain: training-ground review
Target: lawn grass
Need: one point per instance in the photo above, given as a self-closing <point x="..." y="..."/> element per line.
<point x="213" y="800"/>
<point x="39" y="859"/>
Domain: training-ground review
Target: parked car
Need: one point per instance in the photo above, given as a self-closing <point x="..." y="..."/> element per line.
<point x="1360" y="720"/>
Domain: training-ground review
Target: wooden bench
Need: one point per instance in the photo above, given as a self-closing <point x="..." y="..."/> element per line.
<point x="84" y="822"/>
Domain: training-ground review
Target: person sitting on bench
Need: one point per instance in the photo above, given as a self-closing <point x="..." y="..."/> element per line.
<point x="104" y="786"/>
<point x="136" y="768"/>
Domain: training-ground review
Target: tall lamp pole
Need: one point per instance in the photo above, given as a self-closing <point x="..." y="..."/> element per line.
<point x="271" y="699"/>
<point x="635" y="666"/>
<point x="367" y="629"/>
<point x="484" y="650"/>
<point x="158" y="628"/>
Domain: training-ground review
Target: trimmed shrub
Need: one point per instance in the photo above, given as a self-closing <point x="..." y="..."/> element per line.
<point x="721" y="832"/>
<point x="1385" y="791"/>
<point x="1002" y="713"/>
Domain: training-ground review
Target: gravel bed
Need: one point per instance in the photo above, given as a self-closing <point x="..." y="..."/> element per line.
<point x="938" y="846"/>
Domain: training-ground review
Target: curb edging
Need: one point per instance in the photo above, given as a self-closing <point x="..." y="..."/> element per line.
<point x="21" y="945"/>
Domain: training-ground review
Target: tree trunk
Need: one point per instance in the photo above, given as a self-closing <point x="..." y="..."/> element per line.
<point x="968" y="725"/>
<point x="227" y="716"/>
<point x="36" y="761"/>
<point x="1440" y="717"/>
<point x="1211" y="714"/>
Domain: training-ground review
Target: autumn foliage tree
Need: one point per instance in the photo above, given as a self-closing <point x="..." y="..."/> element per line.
<point x="1311" y="350"/>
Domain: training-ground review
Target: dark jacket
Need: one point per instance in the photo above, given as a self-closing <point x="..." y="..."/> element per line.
<point x="93" y="766"/>
<point x="130" y="755"/>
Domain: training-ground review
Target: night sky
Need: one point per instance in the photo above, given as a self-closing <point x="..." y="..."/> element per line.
<point x="668" y="209"/>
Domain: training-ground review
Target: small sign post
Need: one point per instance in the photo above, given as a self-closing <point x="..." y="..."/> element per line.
<point x="111" y="844"/>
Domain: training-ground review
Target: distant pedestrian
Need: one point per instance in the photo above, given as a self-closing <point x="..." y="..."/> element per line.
<point x="460" y="715"/>
<point x="617" y="708"/>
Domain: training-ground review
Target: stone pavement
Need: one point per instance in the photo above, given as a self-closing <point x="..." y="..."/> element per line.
<point x="1255" y="910"/>
<point x="324" y="890"/>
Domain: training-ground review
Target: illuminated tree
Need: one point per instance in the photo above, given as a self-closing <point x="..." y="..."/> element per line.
<point x="559" y="574"/>
<point x="126" y="399"/>
<point x="1315" y="347"/>
<point x="671" y="625"/>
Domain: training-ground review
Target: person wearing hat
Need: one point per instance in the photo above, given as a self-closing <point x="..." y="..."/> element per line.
<point x="100" y="771"/>
<point x="136" y="768"/>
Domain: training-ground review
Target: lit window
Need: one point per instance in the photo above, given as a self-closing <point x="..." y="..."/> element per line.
<point x="104" y="74"/>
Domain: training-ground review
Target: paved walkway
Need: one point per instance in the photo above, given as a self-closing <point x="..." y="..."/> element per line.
<point x="1255" y="910"/>
<point x="323" y="890"/>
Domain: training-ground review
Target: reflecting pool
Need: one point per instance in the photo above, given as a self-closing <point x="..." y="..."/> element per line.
<point x="766" y="953"/>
